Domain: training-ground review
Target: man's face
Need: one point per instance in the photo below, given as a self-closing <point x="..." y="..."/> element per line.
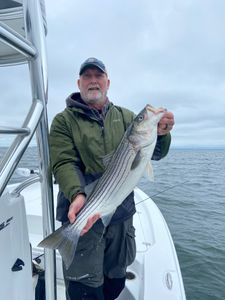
<point x="93" y="85"/>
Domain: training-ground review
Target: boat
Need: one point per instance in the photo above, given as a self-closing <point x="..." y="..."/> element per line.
<point x="27" y="209"/>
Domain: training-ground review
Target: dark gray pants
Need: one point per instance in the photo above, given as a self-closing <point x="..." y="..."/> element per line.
<point x="102" y="253"/>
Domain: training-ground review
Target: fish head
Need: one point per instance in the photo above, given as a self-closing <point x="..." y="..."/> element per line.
<point x="143" y="130"/>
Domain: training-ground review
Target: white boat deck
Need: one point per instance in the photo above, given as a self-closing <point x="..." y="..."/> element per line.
<point x="155" y="270"/>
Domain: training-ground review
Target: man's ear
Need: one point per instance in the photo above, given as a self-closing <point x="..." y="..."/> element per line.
<point x="78" y="83"/>
<point x="108" y="83"/>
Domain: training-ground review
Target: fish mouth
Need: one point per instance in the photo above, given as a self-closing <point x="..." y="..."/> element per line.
<point x="155" y="110"/>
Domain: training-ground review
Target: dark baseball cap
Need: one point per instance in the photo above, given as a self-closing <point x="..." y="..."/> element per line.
<point x="92" y="62"/>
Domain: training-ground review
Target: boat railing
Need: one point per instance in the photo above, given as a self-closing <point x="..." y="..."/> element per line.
<point x="26" y="183"/>
<point x="22" y="42"/>
<point x="23" y="136"/>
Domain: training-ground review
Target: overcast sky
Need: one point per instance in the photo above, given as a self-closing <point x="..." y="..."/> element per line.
<point x="168" y="53"/>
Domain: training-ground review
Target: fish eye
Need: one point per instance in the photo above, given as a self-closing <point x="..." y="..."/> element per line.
<point x="140" y="118"/>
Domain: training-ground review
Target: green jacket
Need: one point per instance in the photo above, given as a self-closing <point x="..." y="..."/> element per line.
<point x="81" y="137"/>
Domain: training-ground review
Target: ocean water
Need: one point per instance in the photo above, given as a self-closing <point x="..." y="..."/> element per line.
<point x="189" y="189"/>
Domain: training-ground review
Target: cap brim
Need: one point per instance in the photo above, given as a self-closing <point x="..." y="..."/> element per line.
<point x="91" y="65"/>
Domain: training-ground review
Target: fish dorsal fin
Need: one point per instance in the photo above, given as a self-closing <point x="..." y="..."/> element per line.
<point x="136" y="160"/>
<point x="149" y="174"/>
<point x="106" y="159"/>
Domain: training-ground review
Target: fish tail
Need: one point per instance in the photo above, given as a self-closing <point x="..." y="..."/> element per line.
<point x="64" y="239"/>
<point x="68" y="247"/>
<point x="53" y="240"/>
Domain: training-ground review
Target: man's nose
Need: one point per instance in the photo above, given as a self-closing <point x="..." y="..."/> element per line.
<point x="94" y="79"/>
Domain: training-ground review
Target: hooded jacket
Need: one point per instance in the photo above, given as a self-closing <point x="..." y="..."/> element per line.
<point x="80" y="137"/>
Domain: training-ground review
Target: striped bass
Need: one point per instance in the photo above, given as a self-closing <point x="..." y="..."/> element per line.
<point x="128" y="163"/>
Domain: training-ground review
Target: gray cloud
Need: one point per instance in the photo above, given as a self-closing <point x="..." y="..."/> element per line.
<point x="168" y="53"/>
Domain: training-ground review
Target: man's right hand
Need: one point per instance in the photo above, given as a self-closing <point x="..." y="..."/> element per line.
<point x="75" y="207"/>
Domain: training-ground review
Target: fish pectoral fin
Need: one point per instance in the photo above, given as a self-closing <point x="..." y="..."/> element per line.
<point x="149" y="174"/>
<point x="64" y="239"/>
<point x="107" y="218"/>
<point x="136" y="160"/>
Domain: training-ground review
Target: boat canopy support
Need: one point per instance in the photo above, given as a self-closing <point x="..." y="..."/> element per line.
<point x="15" y="152"/>
<point x="13" y="130"/>
<point x="29" y="19"/>
<point x="13" y="39"/>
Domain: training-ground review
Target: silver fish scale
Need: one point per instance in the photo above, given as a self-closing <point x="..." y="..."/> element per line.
<point x="119" y="179"/>
<point x="115" y="175"/>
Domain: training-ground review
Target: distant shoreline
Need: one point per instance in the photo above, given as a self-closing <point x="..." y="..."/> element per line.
<point x="171" y="148"/>
<point x="198" y="148"/>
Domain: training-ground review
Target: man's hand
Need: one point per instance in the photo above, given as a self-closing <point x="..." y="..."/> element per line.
<point x="75" y="207"/>
<point x="166" y="123"/>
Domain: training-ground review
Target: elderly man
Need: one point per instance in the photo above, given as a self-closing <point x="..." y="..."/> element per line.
<point x="87" y="130"/>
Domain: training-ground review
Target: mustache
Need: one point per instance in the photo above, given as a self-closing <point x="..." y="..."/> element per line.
<point x="93" y="87"/>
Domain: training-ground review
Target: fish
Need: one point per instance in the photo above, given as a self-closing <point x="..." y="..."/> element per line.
<point x="129" y="162"/>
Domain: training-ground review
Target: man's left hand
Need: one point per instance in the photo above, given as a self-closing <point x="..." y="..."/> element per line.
<point x="166" y="123"/>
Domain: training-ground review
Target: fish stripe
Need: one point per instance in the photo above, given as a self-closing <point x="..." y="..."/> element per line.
<point x="99" y="191"/>
<point x="116" y="174"/>
<point x="118" y="180"/>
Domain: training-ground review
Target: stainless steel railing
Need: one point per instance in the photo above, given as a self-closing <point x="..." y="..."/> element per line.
<point x="13" y="39"/>
<point x="24" y="135"/>
<point x="32" y="47"/>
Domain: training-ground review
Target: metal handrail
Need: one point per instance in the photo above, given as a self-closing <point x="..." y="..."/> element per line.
<point x="13" y="130"/>
<point x="33" y="179"/>
<point x="13" y="155"/>
<point x="33" y="47"/>
<point x="16" y="41"/>
<point x="35" y="33"/>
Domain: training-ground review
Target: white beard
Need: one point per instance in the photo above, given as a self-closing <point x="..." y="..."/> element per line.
<point x="94" y="97"/>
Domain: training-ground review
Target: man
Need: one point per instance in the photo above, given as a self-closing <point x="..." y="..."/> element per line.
<point x="87" y="130"/>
